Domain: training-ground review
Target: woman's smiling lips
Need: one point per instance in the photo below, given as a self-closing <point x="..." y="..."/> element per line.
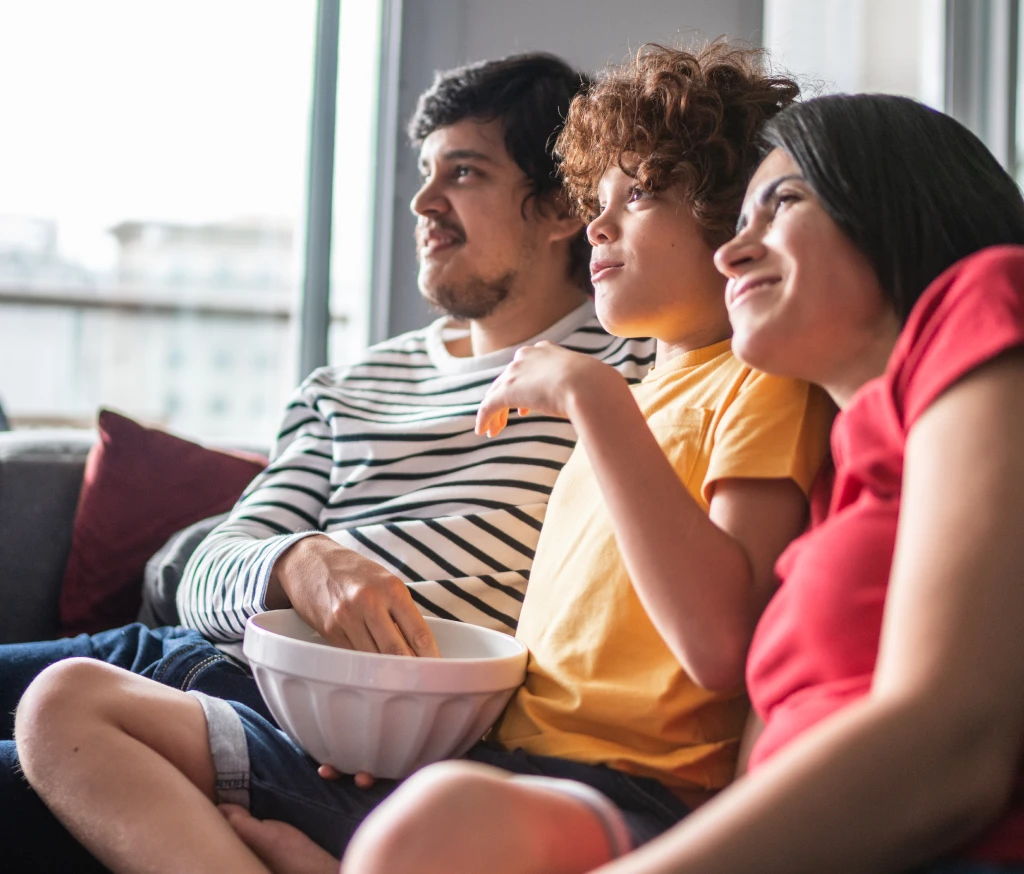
<point x="743" y="287"/>
<point x="603" y="269"/>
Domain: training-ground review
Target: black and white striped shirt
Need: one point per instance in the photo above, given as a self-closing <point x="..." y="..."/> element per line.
<point x="382" y="456"/>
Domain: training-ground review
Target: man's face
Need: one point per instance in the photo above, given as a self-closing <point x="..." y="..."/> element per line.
<point x="472" y="239"/>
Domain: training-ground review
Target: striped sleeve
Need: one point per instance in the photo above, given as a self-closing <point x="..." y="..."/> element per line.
<point x="383" y="458"/>
<point x="225" y="581"/>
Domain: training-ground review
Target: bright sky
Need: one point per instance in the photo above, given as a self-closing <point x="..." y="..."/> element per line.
<point x="187" y="110"/>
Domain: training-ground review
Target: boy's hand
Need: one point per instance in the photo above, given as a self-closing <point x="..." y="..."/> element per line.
<point x="544" y="378"/>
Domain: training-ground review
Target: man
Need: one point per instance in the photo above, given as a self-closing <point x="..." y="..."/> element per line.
<point x="380" y="501"/>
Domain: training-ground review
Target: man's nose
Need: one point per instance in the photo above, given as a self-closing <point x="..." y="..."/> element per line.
<point x="428" y="200"/>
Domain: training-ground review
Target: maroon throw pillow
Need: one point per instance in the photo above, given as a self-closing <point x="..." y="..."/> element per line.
<point x="141" y="486"/>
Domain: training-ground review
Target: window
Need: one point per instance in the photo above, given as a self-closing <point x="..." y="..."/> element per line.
<point x="861" y="45"/>
<point x="355" y="178"/>
<point x="153" y="174"/>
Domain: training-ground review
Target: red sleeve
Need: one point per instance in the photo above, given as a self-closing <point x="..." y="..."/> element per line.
<point x="969" y="315"/>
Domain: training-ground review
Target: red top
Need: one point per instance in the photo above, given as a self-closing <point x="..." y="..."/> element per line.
<point x="814" y="650"/>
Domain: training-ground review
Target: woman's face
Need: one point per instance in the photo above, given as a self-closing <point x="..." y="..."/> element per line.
<point x="802" y="299"/>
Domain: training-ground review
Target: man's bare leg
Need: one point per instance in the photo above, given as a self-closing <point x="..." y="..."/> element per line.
<point x="465" y="817"/>
<point x="125" y="764"/>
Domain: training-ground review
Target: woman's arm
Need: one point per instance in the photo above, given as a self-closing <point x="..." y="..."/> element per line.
<point x="702" y="580"/>
<point x="928" y="759"/>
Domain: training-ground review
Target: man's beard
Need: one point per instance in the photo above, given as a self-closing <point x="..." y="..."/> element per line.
<point x="476" y="298"/>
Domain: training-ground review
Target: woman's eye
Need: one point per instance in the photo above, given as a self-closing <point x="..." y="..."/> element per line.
<point x="785" y="198"/>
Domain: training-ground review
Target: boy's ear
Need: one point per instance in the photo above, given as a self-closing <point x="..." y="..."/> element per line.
<point x="562" y="221"/>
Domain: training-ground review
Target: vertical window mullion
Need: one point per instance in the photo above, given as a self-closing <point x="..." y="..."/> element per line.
<point x="314" y="306"/>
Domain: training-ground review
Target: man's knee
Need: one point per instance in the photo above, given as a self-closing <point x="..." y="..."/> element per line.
<point x="63" y="696"/>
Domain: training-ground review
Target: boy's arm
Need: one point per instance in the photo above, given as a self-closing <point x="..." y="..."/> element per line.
<point x="702" y="579"/>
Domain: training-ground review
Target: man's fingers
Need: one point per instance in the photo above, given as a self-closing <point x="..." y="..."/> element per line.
<point x="337" y="637"/>
<point x="414" y="629"/>
<point x="359" y="634"/>
<point x="387" y="636"/>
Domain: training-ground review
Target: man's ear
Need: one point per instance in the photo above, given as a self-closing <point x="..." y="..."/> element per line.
<point x="563" y="223"/>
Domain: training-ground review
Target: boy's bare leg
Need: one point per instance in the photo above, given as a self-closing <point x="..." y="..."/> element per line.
<point x="282" y="847"/>
<point x="466" y="817"/>
<point x="125" y="764"/>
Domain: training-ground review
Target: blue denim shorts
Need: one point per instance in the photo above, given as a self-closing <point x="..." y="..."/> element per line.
<point x="260" y="767"/>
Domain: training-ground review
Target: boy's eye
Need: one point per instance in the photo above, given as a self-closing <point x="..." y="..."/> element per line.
<point x="637" y="193"/>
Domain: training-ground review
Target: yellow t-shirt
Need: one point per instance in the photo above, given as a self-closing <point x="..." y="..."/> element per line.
<point x="601" y="685"/>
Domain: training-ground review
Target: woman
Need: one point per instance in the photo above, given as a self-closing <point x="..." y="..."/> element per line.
<point x="889" y="668"/>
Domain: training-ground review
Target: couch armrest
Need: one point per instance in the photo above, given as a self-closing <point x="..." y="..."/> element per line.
<point x="40" y="478"/>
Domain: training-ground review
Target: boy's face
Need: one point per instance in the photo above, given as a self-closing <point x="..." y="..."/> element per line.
<point x="473" y="237"/>
<point x="653" y="273"/>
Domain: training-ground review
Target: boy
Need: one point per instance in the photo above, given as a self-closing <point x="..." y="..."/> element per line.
<point x="653" y="565"/>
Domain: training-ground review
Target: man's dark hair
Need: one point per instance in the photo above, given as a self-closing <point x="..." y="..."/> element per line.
<point x="912" y="188"/>
<point x="530" y="95"/>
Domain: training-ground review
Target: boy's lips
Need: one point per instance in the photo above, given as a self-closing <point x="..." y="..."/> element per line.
<point x="603" y="269"/>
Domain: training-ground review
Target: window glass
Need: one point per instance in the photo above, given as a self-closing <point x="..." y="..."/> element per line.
<point x="860" y="45"/>
<point x="152" y="187"/>
<point x="355" y="178"/>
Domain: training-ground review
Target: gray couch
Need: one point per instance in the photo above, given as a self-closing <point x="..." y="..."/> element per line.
<point x="40" y="478"/>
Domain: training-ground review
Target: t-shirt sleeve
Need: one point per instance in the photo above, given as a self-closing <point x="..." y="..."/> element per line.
<point x="969" y="315"/>
<point x="775" y="428"/>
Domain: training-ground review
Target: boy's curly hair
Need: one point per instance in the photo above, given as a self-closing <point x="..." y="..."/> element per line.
<point x="671" y="117"/>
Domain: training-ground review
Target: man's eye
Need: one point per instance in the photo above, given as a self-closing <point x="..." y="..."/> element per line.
<point x="462" y="171"/>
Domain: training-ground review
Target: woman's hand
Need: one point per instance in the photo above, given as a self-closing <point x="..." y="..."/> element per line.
<point x="544" y="378"/>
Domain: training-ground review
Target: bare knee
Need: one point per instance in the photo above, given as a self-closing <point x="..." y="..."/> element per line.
<point x="461" y="816"/>
<point x="65" y="698"/>
<point x="403" y="833"/>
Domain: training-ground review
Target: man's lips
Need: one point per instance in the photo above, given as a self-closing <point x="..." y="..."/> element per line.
<point x="603" y="269"/>
<point x="741" y="288"/>
<point x="436" y="239"/>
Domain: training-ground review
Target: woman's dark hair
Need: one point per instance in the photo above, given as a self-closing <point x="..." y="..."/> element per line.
<point x="530" y="95"/>
<point x="912" y="188"/>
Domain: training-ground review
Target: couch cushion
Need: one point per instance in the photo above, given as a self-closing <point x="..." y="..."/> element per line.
<point x="141" y="485"/>
<point x="40" y="477"/>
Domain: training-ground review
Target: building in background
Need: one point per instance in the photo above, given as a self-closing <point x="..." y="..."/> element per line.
<point x="191" y="330"/>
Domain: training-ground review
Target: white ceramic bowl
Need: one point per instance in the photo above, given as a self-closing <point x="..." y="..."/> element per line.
<point x="387" y="715"/>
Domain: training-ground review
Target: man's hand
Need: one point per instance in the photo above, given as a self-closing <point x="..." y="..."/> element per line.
<point x="544" y="378"/>
<point x="350" y="600"/>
